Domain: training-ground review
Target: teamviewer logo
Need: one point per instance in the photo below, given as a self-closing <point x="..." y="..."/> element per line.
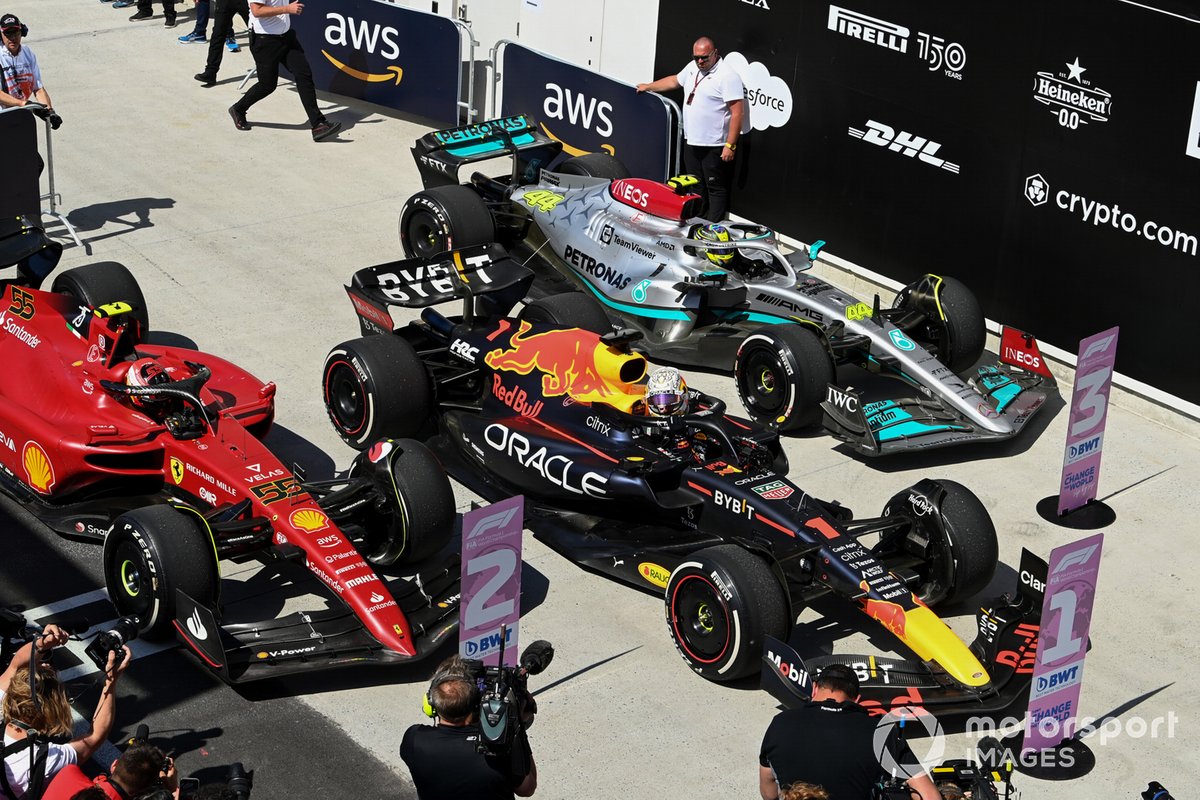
<point x="1037" y="191"/>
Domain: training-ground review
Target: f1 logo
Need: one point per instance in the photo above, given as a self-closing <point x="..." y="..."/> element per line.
<point x="492" y="522"/>
<point x="1076" y="559"/>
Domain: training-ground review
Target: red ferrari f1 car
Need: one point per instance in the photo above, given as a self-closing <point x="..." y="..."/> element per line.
<point x="156" y="451"/>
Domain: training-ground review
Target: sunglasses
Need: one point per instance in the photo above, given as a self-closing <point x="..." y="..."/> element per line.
<point x="12" y="33"/>
<point x="702" y="58"/>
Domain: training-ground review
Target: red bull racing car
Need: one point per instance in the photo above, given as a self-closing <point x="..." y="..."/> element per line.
<point x="726" y="298"/>
<point x="156" y="452"/>
<point x="696" y="507"/>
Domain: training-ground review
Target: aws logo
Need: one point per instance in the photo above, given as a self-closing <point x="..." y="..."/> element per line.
<point x="369" y="37"/>
<point x="576" y="108"/>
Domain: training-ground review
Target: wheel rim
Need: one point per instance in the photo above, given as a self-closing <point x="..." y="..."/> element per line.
<point x="425" y="236"/>
<point x="135" y="593"/>
<point x="345" y="397"/>
<point x="700" y="619"/>
<point x="762" y="383"/>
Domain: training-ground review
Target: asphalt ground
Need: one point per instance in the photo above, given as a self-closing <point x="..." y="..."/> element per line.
<point x="242" y="241"/>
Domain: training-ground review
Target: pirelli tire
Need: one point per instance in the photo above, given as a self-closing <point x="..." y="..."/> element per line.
<point x="375" y="387"/>
<point x="959" y="550"/>
<point x="595" y="165"/>
<point x="444" y="218"/>
<point x="954" y="311"/>
<point x="149" y="554"/>
<point x="721" y="603"/>
<point x="781" y="374"/>
<point x="569" y="310"/>
<point x="422" y="506"/>
<point x="102" y="283"/>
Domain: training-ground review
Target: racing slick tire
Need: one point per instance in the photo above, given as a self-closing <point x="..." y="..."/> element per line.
<point x="595" y="165"/>
<point x="149" y="554"/>
<point x="374" y="387"/>
<point x="960" y="554"/>
<point x="422" y="519"/>
<point x="105" y="282"/>
<point x="444" y="218"/>
<point x="721" y="602"/>
<point x="963" y="325"/>
<point x="570" y="310"/>
<point x="781" y="374"/>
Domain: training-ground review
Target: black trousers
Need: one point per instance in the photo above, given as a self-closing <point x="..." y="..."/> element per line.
<point x="223" y="13"/>
<point x="269" y="53"/>
<point x="148" y="7"/>
<point x="715" y="175"/>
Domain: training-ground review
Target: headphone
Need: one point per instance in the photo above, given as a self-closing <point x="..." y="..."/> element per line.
<point x="24" y="30"/>
<point x="447" y="676"/>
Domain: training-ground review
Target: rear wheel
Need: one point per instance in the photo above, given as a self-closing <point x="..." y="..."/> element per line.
<point x="149" y="554"/>
<point x="959" y="555"/>
<point x="422" y="502"/>
<point x="375" y="387"/>
<point x="594" y="165"/>
<point x="569" y="310"/>
<point x="781" y="374"/>
<point x="105" y="282"/>
<point x="721" y="602"/>
<point x="444" y="218"/>
<point x="955" y="319"/>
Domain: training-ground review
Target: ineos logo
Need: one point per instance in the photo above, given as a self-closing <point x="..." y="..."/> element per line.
<point x="634" y="195"/>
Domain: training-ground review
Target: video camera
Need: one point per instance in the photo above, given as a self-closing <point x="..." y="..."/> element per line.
<point x="506" y="707"/>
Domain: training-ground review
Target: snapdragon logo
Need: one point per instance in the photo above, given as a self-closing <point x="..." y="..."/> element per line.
<point x="768" y="98"/>
<point x="1072" y="99"/>
<point x="1039" y="193"/>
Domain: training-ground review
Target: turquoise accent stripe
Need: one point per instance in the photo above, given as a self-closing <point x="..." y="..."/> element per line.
<point x="637" y="311"/>
<point x="754" y="316"/>
<point x="488" y="147"/>
<point x="911" y="429"/>
<point x="1006" y="395"/>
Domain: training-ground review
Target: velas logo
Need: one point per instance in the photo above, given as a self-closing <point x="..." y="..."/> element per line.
<point x="577" y="109"/>
<point x="768" y="98"/>
<point x="365" y="37"/>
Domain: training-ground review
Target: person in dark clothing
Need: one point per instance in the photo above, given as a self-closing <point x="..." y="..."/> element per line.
<point x="222" y="32"/>
<point x="145" y="10"/>
<point x="442" y="757"/>
<point x="273" y="42"/>
<point x="830" y="742"/>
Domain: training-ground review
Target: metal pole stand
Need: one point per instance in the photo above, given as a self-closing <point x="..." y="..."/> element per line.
<point x="52" y="196"/>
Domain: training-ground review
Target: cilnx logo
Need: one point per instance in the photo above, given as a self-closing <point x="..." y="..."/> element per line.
<point x="363" y="36"/>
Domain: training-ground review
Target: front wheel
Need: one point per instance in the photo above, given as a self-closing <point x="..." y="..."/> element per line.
<point x="954" y="319"/>
<point x="149" y="554"/>
<point x="781" y="374"/>
<point x="105" y="282"/>
<point x="721" y="602"/>
<point x="374" y="387"/>
<point x="421" y="503"/>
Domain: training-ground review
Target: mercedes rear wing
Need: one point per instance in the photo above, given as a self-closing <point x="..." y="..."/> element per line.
<point x="440" y="154"/>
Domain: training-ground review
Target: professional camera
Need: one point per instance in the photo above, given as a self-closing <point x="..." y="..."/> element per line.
<point x="1156" y="791"/>
<point x="123" y="631"/>
<point x="505" y="705"/>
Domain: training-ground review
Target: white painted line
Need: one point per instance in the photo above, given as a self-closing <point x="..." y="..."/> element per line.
<point x="67" y="604"/>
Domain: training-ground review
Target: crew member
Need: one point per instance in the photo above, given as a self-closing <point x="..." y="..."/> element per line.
<point x="714" y="119"/>
<point x="830" y="742"/>
<point x="139" y="769"/>
<point x="442" y="757"/>
<point x="20" y="77"/>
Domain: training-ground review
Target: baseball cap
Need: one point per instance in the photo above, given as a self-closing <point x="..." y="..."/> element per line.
<point x="839" y="674"/>
<point x="9" y="21"/>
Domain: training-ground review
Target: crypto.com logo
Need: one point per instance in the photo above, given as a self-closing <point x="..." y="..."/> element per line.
<point x="1037" y="191"/>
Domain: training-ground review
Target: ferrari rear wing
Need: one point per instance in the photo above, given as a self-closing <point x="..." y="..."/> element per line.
<point x="440" y="154"/>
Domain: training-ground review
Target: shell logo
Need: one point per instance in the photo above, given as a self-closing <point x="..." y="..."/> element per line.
<point x="309" y="520"/>
<point x="38" y="467"/>
<point x="654" y="574"/>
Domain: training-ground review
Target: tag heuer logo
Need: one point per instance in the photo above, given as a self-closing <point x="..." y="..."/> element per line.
<point x="775" y="490"/>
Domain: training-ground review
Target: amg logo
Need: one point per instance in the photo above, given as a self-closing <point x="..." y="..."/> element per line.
<point x="790" y="305"/>
<point x="868" y="29"/>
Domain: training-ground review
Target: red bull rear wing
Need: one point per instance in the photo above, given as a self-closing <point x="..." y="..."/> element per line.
<point x="440" y="154"/>
<point x="420" y="282"/>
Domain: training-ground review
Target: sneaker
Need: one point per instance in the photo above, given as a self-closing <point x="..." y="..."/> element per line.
<point x="232" y="44"/>
<point x="193" y="38"/>
<point x="239" y="119"/>
<point x="324" y="129"/>
<point x="141" y="15"/>
<point x="206" y="79"/>
<point x="124" y="3"/>
<point x="169" y="22"/>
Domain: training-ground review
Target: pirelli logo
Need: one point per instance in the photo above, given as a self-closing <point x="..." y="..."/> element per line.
<point x="868" y="29"/>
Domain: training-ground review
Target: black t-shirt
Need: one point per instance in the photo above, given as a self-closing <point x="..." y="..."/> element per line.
<point x="445" y="765"/>
<point x="828" y="744"/>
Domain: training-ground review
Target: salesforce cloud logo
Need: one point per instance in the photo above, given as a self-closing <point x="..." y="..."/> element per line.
<point x="768" y="98"/>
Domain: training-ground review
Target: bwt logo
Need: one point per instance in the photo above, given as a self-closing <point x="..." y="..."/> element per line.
<point x="1057" y="680"/>
<point x="578" y="109"/>
<point x="480" y="646"/>
<point x="1084" y="449"/>
<point x="1037" y="191"/>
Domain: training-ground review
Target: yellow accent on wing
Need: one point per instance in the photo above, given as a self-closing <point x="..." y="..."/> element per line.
<point x="932" y="640"/>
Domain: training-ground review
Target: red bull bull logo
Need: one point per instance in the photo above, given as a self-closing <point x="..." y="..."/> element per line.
<point x="572" y="362"/>
<point x="889" y="615"/>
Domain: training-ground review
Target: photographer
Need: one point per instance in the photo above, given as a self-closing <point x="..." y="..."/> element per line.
<point x="140" y="768"/>
<point x="443" y="758"/>
<point x="37" y="717"/>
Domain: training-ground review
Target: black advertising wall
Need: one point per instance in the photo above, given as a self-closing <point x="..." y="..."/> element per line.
<point x="384" y="54"/>
<point x="22" y="175"/>
<point x="1047" y="154"/>
<point x="587" y="112"/>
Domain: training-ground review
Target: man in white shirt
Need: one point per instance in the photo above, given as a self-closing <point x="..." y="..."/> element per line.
<point x="713" y="120"/>
<point x="20" y="77"/>
<point x="272" y="43"/>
